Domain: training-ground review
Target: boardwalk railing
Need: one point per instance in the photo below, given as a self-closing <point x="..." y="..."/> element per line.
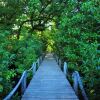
<point x="77" y="82"/>
<point x="22" y="81"/>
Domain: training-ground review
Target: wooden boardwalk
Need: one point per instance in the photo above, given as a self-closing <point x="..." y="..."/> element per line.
<point x="49" y="83"/>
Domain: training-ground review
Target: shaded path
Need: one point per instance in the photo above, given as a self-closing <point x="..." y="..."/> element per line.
<point x="49" y="83"/>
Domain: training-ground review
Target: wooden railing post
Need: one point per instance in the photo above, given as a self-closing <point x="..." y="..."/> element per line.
<point x="23" y="83"/>
<point x="59" y="62"/>
<point x="57" y="59"/>
<point x="34" y="67"/>
<point x="78" y="82"/>
<point x="65" y="68"/>
<point x="38" y="62"/>
<point x="75" y="83"/>
<point x="81" y="86"/>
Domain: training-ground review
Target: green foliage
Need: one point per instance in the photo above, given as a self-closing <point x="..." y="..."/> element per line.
<point x="76" y="41"/>
<point x="16" y="56"/>
<point x="74" y="37"/>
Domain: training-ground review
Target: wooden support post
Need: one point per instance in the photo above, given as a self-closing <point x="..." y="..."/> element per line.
<point x="56" y="59"/>
<point x="65" y="68"/>
<point x="78" y="82"/>
<point x="59" y="62"/>
<point x="38" y="62"/>
<point x="23" y="83"/>
<point x="81" y="86"/>
<point x="75" y="84"/>
<point x="34" y="67"/>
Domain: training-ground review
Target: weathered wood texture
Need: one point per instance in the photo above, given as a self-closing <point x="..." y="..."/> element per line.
<point x="49" y="83"/>
<point x="78" y="83"/>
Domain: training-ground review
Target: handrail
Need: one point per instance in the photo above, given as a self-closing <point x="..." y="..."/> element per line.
<point x="57" y="60"/>
<point x="22" y="80"/>
<point x="78" y="82"/>
<point x="31" y="67"/>
<point x="15" y="88"/>
<point x="76" y="78"/>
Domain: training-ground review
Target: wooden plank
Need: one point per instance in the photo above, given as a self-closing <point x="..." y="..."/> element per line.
<point x="39" y="98"/>
<point x="49" y="83"/>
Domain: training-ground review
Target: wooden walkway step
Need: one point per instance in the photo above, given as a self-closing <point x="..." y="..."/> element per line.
<point x="49" y="83"/>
